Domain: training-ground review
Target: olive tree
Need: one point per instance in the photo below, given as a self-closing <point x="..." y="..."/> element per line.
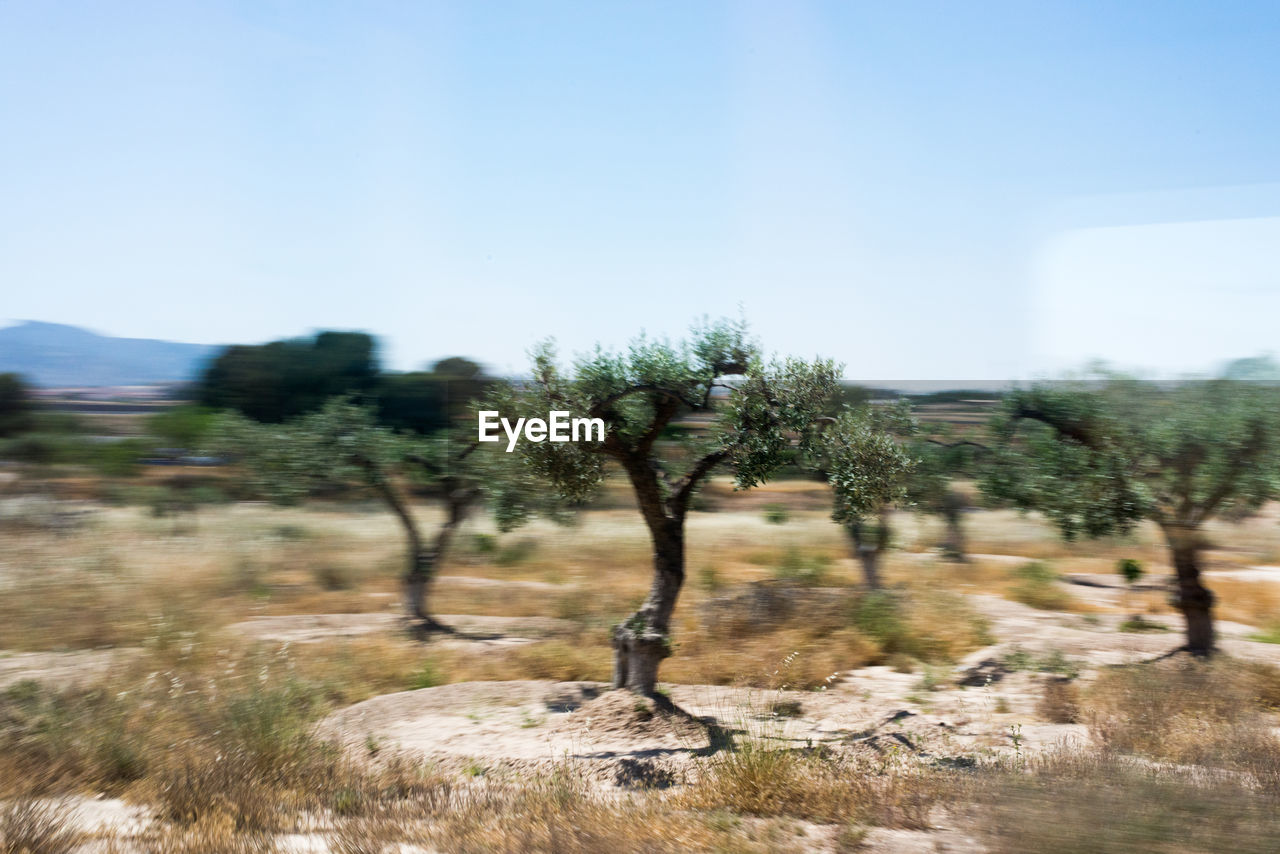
<point x="876" y="458"/>
<point x="1096" y="457"/>
<point x="753" y="415"/>
<point x="862" y="458"/>
<point x="933" y="489"/>
<point x="341" y="443"/>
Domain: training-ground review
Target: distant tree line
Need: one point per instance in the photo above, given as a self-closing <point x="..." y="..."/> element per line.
<point x="277" y="382"/>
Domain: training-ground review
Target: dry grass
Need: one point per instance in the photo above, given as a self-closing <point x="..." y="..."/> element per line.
<point x="1256" y="603"/>
<point x="1059" y="701"/>
<point x="30" y="826"/>
<point x="1073" y="801"/>
<point x="587" y="657"/>
<point x="1036" y="584"/>
<point x="761" y="780"/>
<point x="559" y="813"/>
<point x="1189" y="712"/>
<point x="783" y="635"/>
<point x="237" y="720"/>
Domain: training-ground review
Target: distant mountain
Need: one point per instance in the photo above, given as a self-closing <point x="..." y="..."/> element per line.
<point x="1258" y="369"/>
<point x="55" y="355"/>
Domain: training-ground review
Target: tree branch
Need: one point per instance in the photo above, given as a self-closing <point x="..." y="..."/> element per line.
<point x="602" y="407"/>
<point x="683" y="488"/>
<point x="1239" y="462"/>
<point x="662" y="415"/>
<point x="1071" y="429"/>
<point x="961" y="444"/>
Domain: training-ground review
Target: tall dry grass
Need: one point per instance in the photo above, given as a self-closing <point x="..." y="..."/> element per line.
<point x="1219" y="714"/>
<point x="1073" y="800"/>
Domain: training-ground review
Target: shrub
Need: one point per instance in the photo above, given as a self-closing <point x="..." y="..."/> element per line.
<point x="709" y="579"/>
<point x="776" y="514"/>
<point x="1130" y="570"/>
<point x="1036" y="585"/>
<point x="333" y="577"/>
<point x="931" y="626"/>
<point x="760" y="780"/>
<point x="808" y="571"/>
<point x="516" y="552"/>
<point x="1051" y="661"/>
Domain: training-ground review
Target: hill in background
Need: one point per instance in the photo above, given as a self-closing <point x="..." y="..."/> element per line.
<point x="56" y="355"/>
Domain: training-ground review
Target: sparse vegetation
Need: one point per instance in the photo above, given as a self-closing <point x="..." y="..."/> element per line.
<point x="213" y="730"/>
<point x="1036" y="584"/>
<point x="1078" y="800"/>
<point x="1219" y="715"/>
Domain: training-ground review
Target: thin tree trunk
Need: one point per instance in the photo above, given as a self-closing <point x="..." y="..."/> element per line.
<point x="953" y="545"/>
<point x="422" y="561"/>
<point x="869" y="547"/>
<point x="419" y="561"/>
<point x="870" y="557"/>
<point x="1194" y="600"/>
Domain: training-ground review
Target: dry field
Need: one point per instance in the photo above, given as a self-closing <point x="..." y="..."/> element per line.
<point x="238" y="680"/>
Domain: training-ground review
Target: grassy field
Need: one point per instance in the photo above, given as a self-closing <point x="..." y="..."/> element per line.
<point x="175" y="668"/>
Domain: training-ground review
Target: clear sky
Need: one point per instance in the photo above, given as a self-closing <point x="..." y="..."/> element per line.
<point x="921" y="190"/>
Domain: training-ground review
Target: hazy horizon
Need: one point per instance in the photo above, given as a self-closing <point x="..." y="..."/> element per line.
<point x="899" y="384"/>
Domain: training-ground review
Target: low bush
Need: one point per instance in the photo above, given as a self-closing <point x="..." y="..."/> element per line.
<point x="1036" y="584"/>
<point x="761" y="780"/>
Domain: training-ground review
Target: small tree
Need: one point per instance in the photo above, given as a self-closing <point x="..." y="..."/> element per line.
<point x="769" y="411"/>
<point x="933" y="489"/>
<point x="1131" y="571"/>
<point x="1098" y="457"/>
<point x="341" y="443"/>
<point x="875" y="459"/>
<point x="862" y="458"/>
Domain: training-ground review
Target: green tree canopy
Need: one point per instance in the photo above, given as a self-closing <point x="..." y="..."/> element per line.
<point x="1099" y="455"/>
<point x="752" y="415"/>
<point x="277" y="381"/>
<point x="863" y="456"/>
<point x="436" y="399"/>
<point x="342" y="443"/>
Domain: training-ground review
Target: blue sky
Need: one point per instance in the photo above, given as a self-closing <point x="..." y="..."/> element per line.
<point x="920" y="190"/>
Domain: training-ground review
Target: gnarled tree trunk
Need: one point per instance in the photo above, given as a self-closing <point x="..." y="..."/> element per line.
<point x="422" y="561"/>
<point x="1193" y="599"/>
<point x="643" y="640"/>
